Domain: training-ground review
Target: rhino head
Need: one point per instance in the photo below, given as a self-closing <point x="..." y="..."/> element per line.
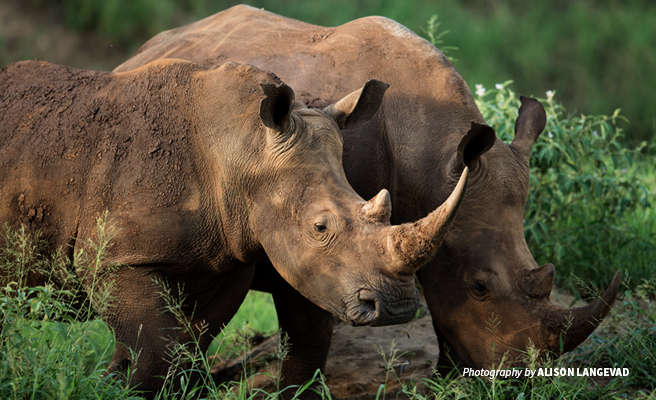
<point x="335" y="248"/>
<point x="488" y="297"/>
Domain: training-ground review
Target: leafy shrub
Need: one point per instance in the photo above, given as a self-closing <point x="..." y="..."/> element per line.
<point x="45" y="353"/>
<point x="51" y="346"/>
<point x="589" y="208"/>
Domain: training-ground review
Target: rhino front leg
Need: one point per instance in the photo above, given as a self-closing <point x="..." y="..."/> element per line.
<point x="449" y="361"/>
<point x="145" y="332"/>
<point x="308" y="329"/>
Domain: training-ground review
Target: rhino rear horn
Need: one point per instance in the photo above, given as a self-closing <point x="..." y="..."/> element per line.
<point x="276" y="107"/>
<point x="537" y="283"/>
<point x="529" y="124"/>
<point x="359" y="107"/>
<point x="378" y="209"/>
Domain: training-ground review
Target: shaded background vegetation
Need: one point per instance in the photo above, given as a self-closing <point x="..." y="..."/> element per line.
<point x="598" y="56"/>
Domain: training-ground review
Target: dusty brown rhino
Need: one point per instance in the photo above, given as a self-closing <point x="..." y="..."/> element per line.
<point x="484" y="274"/>
<point x="205" y="171"/>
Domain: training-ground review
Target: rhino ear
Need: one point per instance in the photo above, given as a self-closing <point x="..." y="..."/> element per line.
<point x="479" y="139"/>
<point x="359" y="107"/>
<point x="276" y="107"/>
<point x="528" y="126"/>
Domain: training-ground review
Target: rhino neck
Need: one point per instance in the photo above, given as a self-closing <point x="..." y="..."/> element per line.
<point x="422" y="152"/>
<point x="368" y="161"/>
<point x="231" y="154"/>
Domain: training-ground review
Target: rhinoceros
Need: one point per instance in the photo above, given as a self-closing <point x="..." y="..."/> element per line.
<point x="486" y="294"/>
<point x="204" y="171"/>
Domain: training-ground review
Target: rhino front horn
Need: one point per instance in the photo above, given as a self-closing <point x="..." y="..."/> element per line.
<point x="574" y="326"/>
<point x="414" y="244"/>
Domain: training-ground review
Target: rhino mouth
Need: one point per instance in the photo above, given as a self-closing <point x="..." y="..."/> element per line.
<point x="372" y="308"/>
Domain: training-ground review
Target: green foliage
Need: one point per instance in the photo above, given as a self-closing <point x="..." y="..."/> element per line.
<point x="49" y="347"/>
<point x="22" y="252"/>
<point x="589" y="209"/>
<point x="47" y="355"/>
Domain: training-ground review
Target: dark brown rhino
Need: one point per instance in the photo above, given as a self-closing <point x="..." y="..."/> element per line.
<point x="484" y="274"/>
<point x="204" y="171"/>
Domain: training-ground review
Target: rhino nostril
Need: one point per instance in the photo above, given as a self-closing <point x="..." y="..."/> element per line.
<point x="368" y="306"/>
<point x="367" y="301"/>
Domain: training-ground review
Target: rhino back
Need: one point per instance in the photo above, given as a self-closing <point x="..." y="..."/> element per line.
<point x="325" y="62"/>
<point x="78" y="143"/>
<point x="426" y="111"/>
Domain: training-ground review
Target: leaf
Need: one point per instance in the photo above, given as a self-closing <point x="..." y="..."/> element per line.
<point x="597" y="189"/>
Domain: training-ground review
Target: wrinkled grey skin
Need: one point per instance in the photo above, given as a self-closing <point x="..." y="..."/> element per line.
<point x="427" y="131"/>
<point x="203" y="171"/>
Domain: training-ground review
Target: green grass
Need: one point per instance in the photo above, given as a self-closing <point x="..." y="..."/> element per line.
<point x="48" y="355"/>
<point x="66" y="360"/>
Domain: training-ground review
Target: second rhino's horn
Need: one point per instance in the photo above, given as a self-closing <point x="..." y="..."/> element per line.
<point x="414" y="244"/>
<point x="567" y="328"/>
<point x="537" y="283"/>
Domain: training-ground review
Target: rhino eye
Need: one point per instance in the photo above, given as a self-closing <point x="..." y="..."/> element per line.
<point x="480" y="287"/>
<point x="319" y="227"/>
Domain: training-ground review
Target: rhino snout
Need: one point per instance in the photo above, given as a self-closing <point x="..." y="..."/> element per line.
<point x="376" y="309"/>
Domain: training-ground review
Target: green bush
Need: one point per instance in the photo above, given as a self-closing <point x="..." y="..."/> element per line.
<point x="589" y="209"/>
<point x="45" y="353"/>
<point x="51" y="343"/>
